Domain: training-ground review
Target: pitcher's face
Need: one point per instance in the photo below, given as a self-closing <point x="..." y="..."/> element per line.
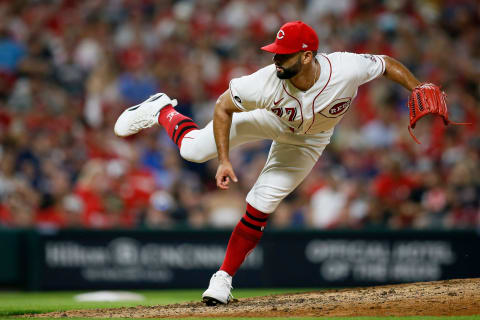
<point x="288" y="65"/>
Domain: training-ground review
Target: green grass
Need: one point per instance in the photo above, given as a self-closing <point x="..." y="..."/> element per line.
<point x="17" y="303"/>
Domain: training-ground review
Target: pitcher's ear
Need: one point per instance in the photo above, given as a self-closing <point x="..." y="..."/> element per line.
<point x="307" y="56"/>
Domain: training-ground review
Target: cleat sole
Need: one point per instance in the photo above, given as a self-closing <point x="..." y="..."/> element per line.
<point x="211" y="302"/>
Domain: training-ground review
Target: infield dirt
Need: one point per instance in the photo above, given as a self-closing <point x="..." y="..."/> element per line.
<point x="439" y="298"/>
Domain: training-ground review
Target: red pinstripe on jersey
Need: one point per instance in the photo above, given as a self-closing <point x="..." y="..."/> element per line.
<point x="298" y="101"/>
<point x="326" y="84"/>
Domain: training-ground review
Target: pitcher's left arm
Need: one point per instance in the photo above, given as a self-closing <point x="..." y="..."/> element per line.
<point x="396" y="71"/>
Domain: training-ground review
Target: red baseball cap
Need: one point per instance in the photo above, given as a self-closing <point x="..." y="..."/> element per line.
<point x="294" y="37"/>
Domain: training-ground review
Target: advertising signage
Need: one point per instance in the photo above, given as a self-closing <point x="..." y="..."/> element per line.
<point x="95" y="259"/>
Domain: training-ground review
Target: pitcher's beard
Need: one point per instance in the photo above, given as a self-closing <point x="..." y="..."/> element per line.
<point x="288" y="73"/>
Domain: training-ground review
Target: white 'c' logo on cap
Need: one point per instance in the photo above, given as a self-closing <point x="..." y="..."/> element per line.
<point x="280" y="34"/>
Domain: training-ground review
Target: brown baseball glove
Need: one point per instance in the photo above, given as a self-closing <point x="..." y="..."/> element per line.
<point x="427" y="98"/>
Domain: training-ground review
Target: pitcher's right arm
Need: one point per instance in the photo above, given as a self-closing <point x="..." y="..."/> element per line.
<point x="222" y="121"/>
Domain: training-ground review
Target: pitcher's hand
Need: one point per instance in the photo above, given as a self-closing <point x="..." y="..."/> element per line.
<point x="224" y="174"/>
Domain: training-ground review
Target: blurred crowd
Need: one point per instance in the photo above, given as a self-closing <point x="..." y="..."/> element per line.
<point x="68" y="68"/>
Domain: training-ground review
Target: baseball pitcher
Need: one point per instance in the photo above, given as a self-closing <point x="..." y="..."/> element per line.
<point x="295" y="102"/>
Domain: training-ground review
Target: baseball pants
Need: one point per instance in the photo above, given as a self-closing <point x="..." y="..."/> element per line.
<point x="291" y="157"/>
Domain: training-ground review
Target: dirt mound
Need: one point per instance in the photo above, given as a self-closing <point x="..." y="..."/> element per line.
<point x="439" y="298"/>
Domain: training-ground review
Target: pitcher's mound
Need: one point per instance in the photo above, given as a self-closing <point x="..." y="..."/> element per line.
<point x="439" y="298"/>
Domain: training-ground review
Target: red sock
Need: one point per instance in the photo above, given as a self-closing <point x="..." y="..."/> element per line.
<point x="176" y="124"/>
<point x="244" y="239"/>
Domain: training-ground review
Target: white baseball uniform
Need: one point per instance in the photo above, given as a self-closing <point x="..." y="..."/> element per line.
<point x="300" y="123"/>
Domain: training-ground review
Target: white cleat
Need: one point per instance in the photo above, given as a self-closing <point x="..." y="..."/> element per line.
<point x="143" y="115"/>
<point x="219" y="289"/>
